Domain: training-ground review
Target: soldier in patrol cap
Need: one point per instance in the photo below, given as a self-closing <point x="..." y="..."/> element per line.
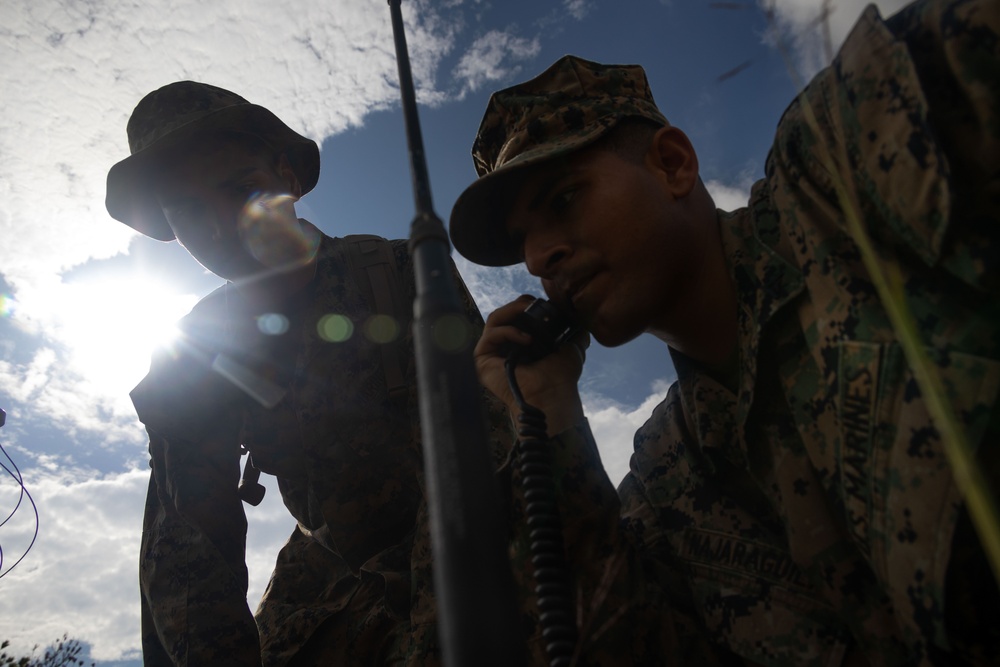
<point x="304" y="358"/>
<point x="790" y="499"/>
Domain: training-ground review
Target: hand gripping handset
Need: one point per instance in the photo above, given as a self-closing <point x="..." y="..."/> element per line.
<point x="549" y="327"/>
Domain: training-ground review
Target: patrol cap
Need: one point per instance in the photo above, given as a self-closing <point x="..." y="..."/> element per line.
<point x="174" y="114"/>
<point x="568" y="106"/>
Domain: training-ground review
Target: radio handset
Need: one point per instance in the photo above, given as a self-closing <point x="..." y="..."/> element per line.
<point x="549" y="327"/>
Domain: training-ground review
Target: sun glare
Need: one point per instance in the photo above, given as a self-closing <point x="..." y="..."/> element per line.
<point x="112" y="328"/>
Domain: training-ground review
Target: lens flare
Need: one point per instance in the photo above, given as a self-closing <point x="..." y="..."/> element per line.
<point x="334" y="328"/>
<point x="451" y="333"/>
<point x="272" y="324"/>
<point x="7" y="305"/>
<point x="381" y="329"/>
<point x="272" y="233"/>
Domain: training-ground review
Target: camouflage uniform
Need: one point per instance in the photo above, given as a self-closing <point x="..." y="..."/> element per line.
<point x="804" y="512"/>
<point x="353" y="583"/>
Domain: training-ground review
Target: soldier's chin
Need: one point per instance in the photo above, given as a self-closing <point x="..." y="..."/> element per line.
<point x="238" y="268"/>
<point x="283" y="257"/>
<point x="610" y="336"/>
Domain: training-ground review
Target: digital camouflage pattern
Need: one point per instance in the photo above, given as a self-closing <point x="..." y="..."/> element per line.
<point x="573" y="103"/>
<point x="806" y="515"/>
<point x="353" y="583"/>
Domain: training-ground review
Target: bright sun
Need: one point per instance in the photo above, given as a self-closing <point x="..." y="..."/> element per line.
<point x="112" y="327"/>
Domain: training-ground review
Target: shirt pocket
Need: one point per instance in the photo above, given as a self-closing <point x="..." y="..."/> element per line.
<point x="894" y="478"/>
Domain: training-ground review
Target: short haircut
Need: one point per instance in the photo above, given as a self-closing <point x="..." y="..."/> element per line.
<point x="629" y="139"/>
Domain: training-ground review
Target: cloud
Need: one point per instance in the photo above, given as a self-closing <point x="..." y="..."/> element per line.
<point x="73" y="72"/>
<point x="68" y="400"/>
<point x="492" y="287"/>
<point x="81" y="576"/>
<point x="98" y="340"/>
<point x="730" y="197"/>
<point x="491" y="58"/>
<point x="614" y="426"/>
<point x="803" y="30"/>
<point x="578" y="9"/>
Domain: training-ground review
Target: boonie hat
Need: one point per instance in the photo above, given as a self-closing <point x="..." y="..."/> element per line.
<point x="175" y="113"/>
<point x="571" y="104"/>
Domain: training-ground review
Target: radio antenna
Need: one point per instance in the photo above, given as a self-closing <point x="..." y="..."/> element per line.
<point x="478" y="623"/>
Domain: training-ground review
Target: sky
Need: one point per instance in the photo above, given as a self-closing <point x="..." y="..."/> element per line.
<point x="83" y="299"/>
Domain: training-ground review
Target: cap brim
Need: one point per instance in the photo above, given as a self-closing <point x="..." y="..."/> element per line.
<point x="478" y="224"/>
<point x="130" y="198"/>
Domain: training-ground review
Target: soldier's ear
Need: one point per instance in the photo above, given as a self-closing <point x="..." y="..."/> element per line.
<point x="674" y="159"/>
<point x="287" y="174"/>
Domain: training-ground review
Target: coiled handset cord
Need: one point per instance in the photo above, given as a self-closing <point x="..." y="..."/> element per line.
<point x="553" y="583"/>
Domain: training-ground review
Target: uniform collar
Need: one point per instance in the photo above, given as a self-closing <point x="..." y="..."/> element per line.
<point x="766" y="279"/>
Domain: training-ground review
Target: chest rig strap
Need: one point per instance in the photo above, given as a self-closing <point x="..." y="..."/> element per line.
<point x="373" y="266"/>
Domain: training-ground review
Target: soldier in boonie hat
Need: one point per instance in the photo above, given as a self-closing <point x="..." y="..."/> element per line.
<point x="176" y="115"/>
<point x="304" y="359"/>
<point x="570" y="105"/>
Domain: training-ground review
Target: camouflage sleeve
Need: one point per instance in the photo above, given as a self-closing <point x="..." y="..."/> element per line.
<point x="621" y="588"/>
<point x="192" y="573"/>
<point x="907" y="122"/>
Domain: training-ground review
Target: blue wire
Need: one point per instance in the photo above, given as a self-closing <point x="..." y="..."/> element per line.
<point x="19" y="498"/>
<point x="24" y="492"/>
